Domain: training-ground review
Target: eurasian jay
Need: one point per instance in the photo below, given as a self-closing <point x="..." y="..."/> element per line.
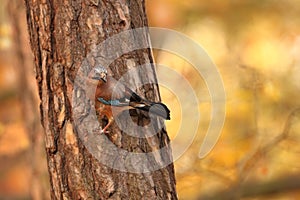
<point x="123" y="98"/>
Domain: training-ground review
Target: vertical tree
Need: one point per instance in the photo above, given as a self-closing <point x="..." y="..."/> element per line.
<point x="63" y="34"/>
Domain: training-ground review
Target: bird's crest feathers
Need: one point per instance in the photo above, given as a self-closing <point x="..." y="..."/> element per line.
<point x="100" y="69"/>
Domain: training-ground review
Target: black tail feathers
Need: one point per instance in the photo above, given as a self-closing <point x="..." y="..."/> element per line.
<point x="158" y="109"/>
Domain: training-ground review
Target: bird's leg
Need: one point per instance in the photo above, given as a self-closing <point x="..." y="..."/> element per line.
<point x="110" y="121"/>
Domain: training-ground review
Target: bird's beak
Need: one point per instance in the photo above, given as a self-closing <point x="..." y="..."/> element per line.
<point x="100" y="76"/>
<point x="104" y="79"/>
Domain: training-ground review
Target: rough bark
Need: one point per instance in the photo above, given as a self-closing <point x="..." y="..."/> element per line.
<point x="29" y="102"/>
<point x="62" y="35"/>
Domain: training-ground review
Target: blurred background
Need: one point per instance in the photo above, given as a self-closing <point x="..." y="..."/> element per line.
<point x="256" y="46"/>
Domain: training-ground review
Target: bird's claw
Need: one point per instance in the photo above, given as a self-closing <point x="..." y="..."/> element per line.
<point x="104" y="132"/>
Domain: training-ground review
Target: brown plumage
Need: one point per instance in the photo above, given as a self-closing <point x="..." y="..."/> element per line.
<point x="110" y="93"/>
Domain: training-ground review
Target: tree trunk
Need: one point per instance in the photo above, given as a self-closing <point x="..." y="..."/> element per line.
<point x="65" y="38"/>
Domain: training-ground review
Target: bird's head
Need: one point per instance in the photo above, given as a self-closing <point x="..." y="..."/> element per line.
<point x="100" y="73"/>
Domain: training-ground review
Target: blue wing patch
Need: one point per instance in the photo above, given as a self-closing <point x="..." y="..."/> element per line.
<point x="110" y="102"/>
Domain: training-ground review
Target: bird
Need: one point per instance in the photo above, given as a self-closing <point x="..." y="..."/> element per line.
<point x="113" y="97"/>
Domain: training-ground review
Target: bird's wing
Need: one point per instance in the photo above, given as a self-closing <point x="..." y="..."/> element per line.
<point x="114" y="102"/>
<point x="115" y="93"/>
